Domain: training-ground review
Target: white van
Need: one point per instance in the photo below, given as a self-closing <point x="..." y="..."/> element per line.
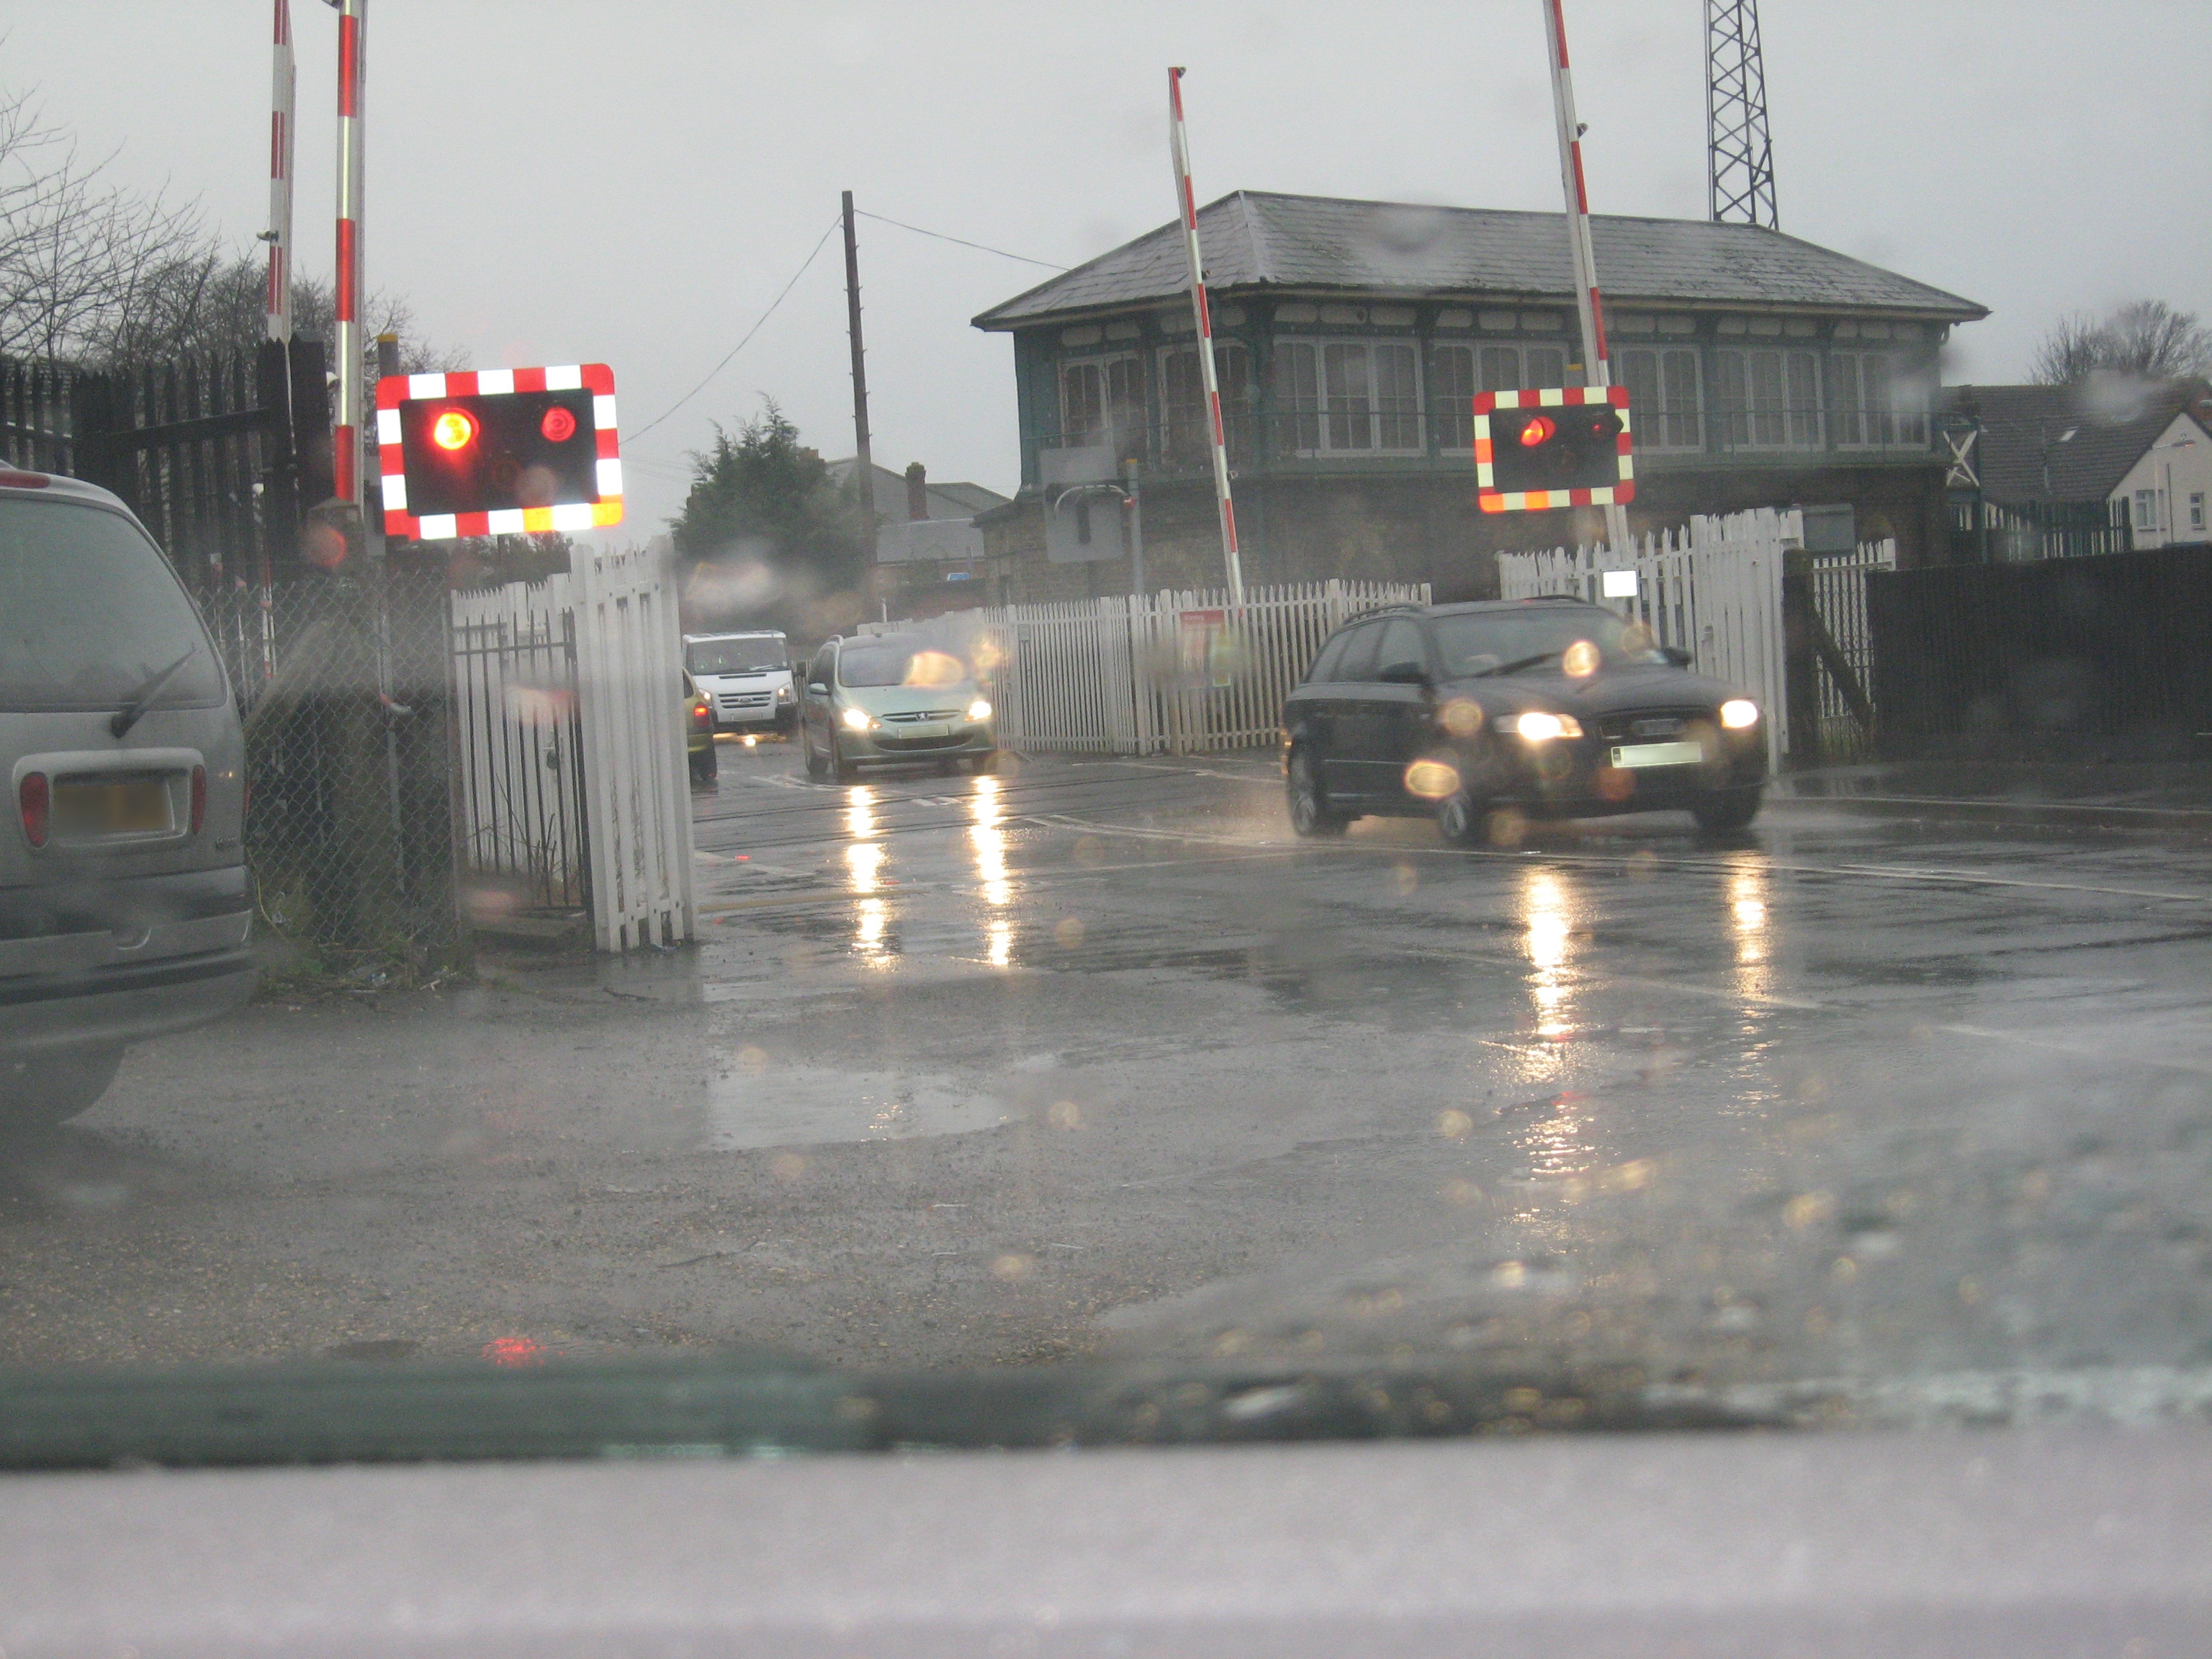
<point x="746" y="676"/>
<point x="124" y="911"/>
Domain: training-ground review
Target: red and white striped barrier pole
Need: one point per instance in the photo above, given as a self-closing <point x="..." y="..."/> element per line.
<point x="283" y="101"/>
<point x="1597" y="369"/>
<point x="1179" y="141"/>
<point x="345" y="469"/>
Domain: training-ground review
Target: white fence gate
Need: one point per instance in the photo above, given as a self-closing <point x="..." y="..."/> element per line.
<point x="1839" y="600"/>
<point x="576" y="677"/>
<point x="1716" y="593"/>
<point x="1175" y="673"/>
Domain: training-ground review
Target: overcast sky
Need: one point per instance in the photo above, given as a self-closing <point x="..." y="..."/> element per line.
<point x="633" y="180"/>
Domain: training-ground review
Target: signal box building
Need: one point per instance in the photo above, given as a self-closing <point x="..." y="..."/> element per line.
<point x="1351" y="338"/>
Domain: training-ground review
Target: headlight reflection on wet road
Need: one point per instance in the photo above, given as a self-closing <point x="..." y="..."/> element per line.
<point x="1544" y="905"/>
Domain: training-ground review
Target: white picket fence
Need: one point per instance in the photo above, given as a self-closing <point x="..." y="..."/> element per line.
<point x="576" y="677"/>
<point x="1170" y="672"/>
<point x="1714" y="592"/>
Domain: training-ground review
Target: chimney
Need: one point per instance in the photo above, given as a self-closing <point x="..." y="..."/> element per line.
<point x="917" y="490"/>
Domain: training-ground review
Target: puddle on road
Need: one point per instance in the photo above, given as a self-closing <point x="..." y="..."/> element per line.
<point x="805" y="1106"/>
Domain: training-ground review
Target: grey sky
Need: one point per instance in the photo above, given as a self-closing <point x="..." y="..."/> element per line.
<point x="634" y="181"/>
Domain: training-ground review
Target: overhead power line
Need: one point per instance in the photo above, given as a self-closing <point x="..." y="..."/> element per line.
<point x="980" y="247"/>
<point x="632" y="437"/>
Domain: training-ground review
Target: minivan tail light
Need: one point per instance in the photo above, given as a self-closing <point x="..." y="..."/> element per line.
<point x="199" y="797"/>
<point x="35" y="796"/>
<point x="15" y="478"/>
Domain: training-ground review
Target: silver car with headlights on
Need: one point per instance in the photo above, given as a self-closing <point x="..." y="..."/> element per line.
<point x="893" y="700"/>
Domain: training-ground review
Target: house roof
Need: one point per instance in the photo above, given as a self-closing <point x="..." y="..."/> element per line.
<point x="2091" y="434"/>
<point x="1258" y="239"/>
<point x="945" y="501"/>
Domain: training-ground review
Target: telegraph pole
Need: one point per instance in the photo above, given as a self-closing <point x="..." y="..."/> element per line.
<point x="864" y="469"/>
<point x="1597" y="370"/>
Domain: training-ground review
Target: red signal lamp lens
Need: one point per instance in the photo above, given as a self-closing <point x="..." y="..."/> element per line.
<point x="1538" y="430"/>
<point x="558" y="426"/>
<point x="453" y="430"/>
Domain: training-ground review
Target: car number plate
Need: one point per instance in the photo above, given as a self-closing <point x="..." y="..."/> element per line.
<point x="1659" y="754"/>
<point x="135" y="807"/>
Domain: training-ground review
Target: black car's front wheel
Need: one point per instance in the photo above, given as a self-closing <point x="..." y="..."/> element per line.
<point x="1461" y="819"/>
<point x="38" y="1094"/>
<point x="1310" y="813"/>
<point x="1722" y="810"/>
<point x="816" y="768"/>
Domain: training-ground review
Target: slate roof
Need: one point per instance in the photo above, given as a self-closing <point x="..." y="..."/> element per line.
<point x="947" y="501"/>
<point x="2112" y="422"/>
<point x="1255" y="239"/>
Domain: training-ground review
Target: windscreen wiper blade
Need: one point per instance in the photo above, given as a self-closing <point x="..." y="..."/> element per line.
<point x="139" y="701"/>
<point x="1516" y="665"/>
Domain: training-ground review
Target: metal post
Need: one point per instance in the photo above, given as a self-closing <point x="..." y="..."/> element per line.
<point x="345" y="441"/>
<point x="1597" y="370"/>
<point x="284" y="103"/>
<point x="1179" y="143"/>
<point x="864" y="467"/>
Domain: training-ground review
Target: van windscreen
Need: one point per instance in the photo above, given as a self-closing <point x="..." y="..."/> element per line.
<point x="89" y="612"/>
<point x="753" y="653"/>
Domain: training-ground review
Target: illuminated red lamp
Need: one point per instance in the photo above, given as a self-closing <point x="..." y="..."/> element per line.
<point x="452" y="429"/>
<point x="558" y="426"/>
<point x="1540" y="428"/>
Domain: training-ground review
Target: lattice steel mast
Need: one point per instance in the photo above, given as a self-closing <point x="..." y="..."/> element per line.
<point x="1739" y="158"/>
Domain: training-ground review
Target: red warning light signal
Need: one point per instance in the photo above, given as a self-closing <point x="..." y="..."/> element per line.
<point x="502" y="451"/>
<point x="1548" y="448"/>
<point x="452" y="429"/>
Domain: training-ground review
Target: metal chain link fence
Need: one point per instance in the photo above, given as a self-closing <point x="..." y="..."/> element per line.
<point x="343" y="683"/>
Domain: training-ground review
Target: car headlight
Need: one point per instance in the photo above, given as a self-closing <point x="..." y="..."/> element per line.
<point x="1738" y="713"/>
<point x="784" y="693"/>
<point x="980" y="709"/>
<point x="857" y="719"/>
<point x="1541" y="725"/>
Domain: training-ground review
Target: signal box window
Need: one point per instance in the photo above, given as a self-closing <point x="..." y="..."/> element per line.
<point x="1769" y="399"/>
<point x="1102" y="402"/>
<point x="1665" y="398"/>
<point x="1186" y="438"/>
<point x="1349" y="397"/>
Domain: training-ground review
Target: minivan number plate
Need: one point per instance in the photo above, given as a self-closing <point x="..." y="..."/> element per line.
<point x="1659" y="754"/>
<point x="140" y="806"/>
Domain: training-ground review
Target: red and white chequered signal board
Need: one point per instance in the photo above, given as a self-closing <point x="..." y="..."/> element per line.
<point x="1491" y="499"/>
<point x="394" y="390"/>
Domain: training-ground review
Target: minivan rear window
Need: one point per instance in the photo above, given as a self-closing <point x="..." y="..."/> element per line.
<point x="90" y="612"/>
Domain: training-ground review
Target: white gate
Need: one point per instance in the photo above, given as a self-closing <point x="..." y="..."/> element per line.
<point x="1175" y="673"/>
<point x="577" y="677"/>
<point x="1839" y="602"/>
<point x="1716" y="593"/>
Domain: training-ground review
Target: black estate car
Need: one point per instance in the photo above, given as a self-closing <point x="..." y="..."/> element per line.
<point x="1546" y="708"/>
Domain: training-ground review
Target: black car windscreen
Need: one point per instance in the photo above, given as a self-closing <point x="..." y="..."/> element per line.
<point x="1476" y="642"/>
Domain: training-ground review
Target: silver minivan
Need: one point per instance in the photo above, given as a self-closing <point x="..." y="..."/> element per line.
<point x="124" y="907"/>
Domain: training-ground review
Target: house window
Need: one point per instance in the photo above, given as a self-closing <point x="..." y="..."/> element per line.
<point x="1665" y="402"/>
<point x="1102" y="402"/>
<point x="1878" y="403"/>
<point x="1348" y="397"/>
<point x="1187" y="437"/>
<point x="1461" y="371"/>
<point x="2147" y="513"/>
<point x="1451" y="378"/>
<point x="2196" y="511"/>
<point x="1769" y="399"/>
<point x="1510" y="368"/>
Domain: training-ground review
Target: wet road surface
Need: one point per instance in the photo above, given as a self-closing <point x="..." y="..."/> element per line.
<point x="1096" y="1058"/>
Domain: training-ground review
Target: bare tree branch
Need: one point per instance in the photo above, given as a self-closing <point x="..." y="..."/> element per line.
<point x="2145" y="339"/>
